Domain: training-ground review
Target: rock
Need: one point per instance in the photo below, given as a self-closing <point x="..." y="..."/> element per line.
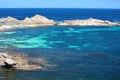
<point x="6" y="61"/>
<point x="5" y="55"/>
<point x="35" y="21"/>
<point x="40" y="21"/>
<point x="87" y="22"/>
<point x="9" y="63"/>
<point x="8" y="20"/>
<point x="21" y="62"/>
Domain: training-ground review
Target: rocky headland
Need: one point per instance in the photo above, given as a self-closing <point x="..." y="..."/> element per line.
<point x="88" y="22"/>
<point x="40" y="21"/>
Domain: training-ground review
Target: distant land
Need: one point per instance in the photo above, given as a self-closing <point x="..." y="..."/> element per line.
<point x="39" y="21"/>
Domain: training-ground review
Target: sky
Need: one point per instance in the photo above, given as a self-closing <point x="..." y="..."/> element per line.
<point x="60" y="4"/>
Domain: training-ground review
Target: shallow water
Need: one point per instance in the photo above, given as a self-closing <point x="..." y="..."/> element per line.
<point x="84" y="53"/>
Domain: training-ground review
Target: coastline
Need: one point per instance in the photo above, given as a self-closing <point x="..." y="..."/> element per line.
<point x="41" y="21"/>
<point x="23" y="61"/>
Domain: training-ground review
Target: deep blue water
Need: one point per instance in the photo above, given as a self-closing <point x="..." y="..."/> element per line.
<point x="63" y="14"/>
<point x="85" y="53"/>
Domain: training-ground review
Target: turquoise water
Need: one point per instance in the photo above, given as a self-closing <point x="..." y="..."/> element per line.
<point x="81" y="38"/>
<point x="85" y="53"/>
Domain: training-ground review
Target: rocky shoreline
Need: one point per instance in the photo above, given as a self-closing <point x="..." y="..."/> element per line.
<point x="41" y="21"/>
<point x="21" y="61"/>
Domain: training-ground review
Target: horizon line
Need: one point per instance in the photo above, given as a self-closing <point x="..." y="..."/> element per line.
<point x="56" y="8"/>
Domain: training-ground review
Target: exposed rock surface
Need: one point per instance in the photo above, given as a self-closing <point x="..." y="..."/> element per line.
<point x="37" y="20"/>
<point x="23" y="62"/>
<point x="87" y="22"/>
<point x="9" y="63"/>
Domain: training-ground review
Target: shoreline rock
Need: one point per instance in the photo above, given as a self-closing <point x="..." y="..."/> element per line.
<point x="21" y="61"/>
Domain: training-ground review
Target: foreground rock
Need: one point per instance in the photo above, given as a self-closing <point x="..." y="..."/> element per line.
<point x="37" y="20"/>
<point x="88" y="22"/>
<point x="21" y="62"/>
<point x="9" y="63"/>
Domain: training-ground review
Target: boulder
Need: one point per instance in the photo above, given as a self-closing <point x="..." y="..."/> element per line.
<point x="9" y="63"/>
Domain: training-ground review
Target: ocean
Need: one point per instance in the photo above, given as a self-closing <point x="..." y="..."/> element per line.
<point x="84" y="53"/>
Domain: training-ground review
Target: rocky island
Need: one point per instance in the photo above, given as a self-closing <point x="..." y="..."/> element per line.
<point x="88" y="22"/>
<point x="35" y="21"/>
<point x="39" y="21"/>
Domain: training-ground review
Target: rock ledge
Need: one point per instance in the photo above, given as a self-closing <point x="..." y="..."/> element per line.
<point x="21" y="62"/>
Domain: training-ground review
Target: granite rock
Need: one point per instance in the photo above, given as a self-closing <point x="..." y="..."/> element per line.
<point x="17" y="61"/>
<point x="35" y="21"/>
<point x="87" y="22"/>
